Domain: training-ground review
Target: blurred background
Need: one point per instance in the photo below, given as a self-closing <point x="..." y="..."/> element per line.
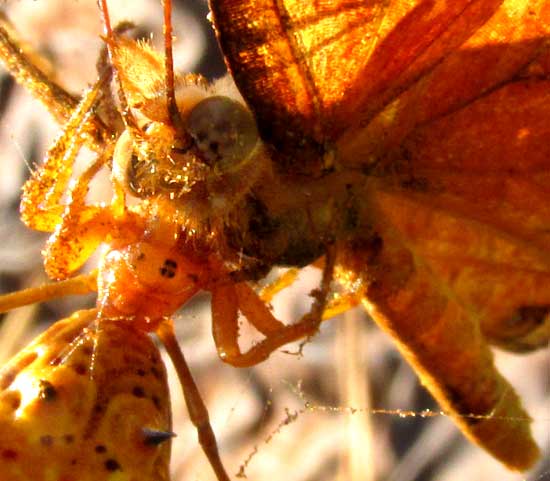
<point x="350" y="409"/>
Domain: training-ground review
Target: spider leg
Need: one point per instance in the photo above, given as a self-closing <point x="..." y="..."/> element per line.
<point x="77" y="228"/>
<point x="256" y="310"/>
<point x="80" y="230"/>
<point x="23" y="64"/>
<point x="277" y="334"/>
<point x="195" y="405"/>
<point x="41" y="207"/>
<point x="82" y="284"/>
<point x="225" y="316"/>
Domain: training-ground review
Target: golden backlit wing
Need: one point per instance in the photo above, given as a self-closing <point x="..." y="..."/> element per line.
<point x="474" y="198"/>
<point x="313" y="71"/>
<point x="288" y="60"/>
<point x="444" y="106"/>
<point x="462" y="208"/>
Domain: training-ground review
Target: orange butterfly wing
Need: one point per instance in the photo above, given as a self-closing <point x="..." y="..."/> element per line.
<point x="445" y="105"/>
<point x="277" y="53"/>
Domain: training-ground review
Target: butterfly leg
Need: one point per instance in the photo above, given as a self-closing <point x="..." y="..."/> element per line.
<point x="195" y="405"/>
<point x="339" y="304"/>
<point x="228" y="300"/>
<point x="268" y="292"/>
<point x="342" y="303"/>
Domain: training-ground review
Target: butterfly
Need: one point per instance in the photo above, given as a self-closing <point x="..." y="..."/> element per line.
<point x="401" y="142"/>
<point x="440" y="109"/>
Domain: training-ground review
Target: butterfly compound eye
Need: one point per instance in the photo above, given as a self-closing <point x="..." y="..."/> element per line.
<point x="224" y="131"/>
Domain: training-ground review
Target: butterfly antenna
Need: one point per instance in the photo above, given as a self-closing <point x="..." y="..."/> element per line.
<point x="173" y="111"/>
